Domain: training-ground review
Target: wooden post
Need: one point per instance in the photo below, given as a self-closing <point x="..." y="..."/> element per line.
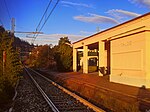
<point x="4" y="61"/>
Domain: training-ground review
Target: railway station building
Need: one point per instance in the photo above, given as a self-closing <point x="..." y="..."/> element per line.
<point x="122" y="52"/>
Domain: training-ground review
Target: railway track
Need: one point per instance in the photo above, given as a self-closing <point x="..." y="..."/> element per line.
<point x="142" y="103"/>
<point x="59" y="98"/>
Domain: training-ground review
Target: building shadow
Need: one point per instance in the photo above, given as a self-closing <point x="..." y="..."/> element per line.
<point x="144" y="99"/>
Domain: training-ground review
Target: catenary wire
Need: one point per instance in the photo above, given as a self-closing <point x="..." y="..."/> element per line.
<point x="46" y="20"/>
<point x="41" y="20"/>
<point x="44" y="14"/>
<point x="7" y="9"/>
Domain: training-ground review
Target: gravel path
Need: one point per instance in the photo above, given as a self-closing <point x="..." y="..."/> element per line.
<point x="28" y="98"/>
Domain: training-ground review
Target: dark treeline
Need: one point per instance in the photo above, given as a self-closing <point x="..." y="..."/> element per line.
<point x="24" y="46"/>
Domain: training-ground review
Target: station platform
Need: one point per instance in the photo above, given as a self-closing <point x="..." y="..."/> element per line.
<point x="78" y="81"/>
<point x="103" y="81"/>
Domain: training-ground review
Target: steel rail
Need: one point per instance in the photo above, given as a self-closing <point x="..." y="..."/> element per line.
<point x="50" y="103"/>
<point x="85" y="102"/>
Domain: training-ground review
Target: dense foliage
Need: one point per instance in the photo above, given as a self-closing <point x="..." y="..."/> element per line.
<point x="58" y="57"/>
<point x="41" y="57"/>
<point x="10" y="66"/>
<point x="63" y="55"/>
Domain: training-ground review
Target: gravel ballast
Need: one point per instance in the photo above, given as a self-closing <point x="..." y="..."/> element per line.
<point x="28" y="98"/>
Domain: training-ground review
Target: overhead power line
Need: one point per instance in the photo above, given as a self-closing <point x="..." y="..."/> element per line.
<point x="7" y="9"/>
<point x="41" y="20"/>
<point x="44" y="14"/>
<point x="49" y="15"/>
<point x="35" y="36"/>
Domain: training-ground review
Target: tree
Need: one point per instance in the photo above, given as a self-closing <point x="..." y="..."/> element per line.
<point x="41" y="57"/>
<point x="63" y="40"/>
<point x="46" y="56"/>
<point x="63" y="55"/>
<point x="10" y="68"/>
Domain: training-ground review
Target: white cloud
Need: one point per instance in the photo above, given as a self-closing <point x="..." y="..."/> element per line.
<point x="145" y="3"/>
<point x="94" y="18"/>
<point x="122" y="14"/>
<point x="54" y="38"/>
<point x="66" y="3"/>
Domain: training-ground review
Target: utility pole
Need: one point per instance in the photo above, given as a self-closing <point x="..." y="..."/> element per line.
<point x="13" y="25"/>
<point x="13" y="29"/>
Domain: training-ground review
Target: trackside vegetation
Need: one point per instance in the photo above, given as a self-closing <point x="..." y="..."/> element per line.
<point x="10" y="68"/>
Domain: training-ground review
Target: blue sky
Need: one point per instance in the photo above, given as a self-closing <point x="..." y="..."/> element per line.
<point x="73" y="18"/>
